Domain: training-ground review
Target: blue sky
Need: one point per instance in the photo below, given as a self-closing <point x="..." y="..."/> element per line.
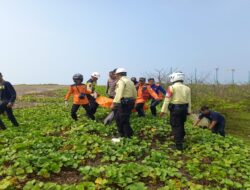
<point x="47" y="41"/>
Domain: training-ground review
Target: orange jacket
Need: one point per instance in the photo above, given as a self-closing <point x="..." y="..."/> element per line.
<point x="76" y="90"/>
<point x="144" y="93"/>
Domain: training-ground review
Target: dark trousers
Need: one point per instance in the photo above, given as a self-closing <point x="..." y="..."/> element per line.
<point x="75" y="108"/>
<point x="140" y="110"/>
<point x="10" y="115"/>
<point x="219" y="129"/>
<point x="178" y="117"/>
<point x="122" y="116"/>
<point x="153" y="105"/>
<point x="92" y="103"/>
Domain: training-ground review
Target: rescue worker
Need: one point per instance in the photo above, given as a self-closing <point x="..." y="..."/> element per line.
<point x="134" y="80"/>
<point x="144" y="93"/>
<point x="110" y="90"/>
<point x="178" y="102"/>
<point x="91" y="85"/>
<point x="7" y="100"/>
<point x="217" y="121"/>
<point x="123" y="102"/>
<point x="79" y="91"/>
<point x="160" y="91"/>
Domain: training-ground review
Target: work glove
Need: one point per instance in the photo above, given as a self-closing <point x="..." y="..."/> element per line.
<point x="66" y="103"/>
<point x="10" y="105"/>
<point x="162" y="114"/>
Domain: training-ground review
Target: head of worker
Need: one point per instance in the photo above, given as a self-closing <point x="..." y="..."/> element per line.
<point x="112" y="74"/>
<point x="78" y="78"/>
<point x="142" y="80"/>
<point x="176" y="77"/>
<point x="120" y="72"/>
<point x="95" y="76"/>
<point x="151" y="81"/>
<point x="205" y="110"/>
<point x="134" y="80"/>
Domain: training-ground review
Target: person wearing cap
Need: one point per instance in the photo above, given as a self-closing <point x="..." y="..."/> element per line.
<point x="7" y="100"/>
<point x="111" y="83"/>
<point x="134" y="80"/>
<point x="217" y="121"/>
<point x="124" y="100"/>
<point x="91" y="85"/>
<point x="80" y="92"/>
<point x="160" y="91"/>
<point x="144" y="93"/>
<point x="178" y="102"/>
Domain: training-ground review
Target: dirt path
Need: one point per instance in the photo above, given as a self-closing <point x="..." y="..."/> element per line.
<point x="29" y="89"/>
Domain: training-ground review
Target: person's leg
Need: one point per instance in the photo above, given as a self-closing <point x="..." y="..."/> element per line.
<point x="118" y="119"/>
<point x="88" y="111"/>
<point x="2" y="126"/>
<point x="11" y="116"/>
<point x="126" y="112"/>
<point x="74" y="109"/>
<point x="153" y="105"/>
<point x="178" y="131"/>
<point x="139" y="109"/>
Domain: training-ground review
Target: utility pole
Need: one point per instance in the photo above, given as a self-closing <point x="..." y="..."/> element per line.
<point x="248" y="77"/>
<point x="195" y="76"/>
<point x="216" y="75"/>
<point x="232" y="70"/>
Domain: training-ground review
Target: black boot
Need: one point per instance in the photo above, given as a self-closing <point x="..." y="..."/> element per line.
<point x="2" y="126"/>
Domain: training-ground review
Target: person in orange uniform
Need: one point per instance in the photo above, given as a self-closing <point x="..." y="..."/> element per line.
<point x="160" y="91"/>
<point x="79" y="91"/>
<point x="144" y="93"/>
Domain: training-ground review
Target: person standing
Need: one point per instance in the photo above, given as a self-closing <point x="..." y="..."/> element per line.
<point x="124" y="102"/>
<point x="144" y="93"/>
<point x="91" y="85"/>
<point x="110" y="90"/>
<point x="7" y="100"/>
<point x="160" y="91"/>
<point x="79" y="91"/>
<point x="178" y="102"/>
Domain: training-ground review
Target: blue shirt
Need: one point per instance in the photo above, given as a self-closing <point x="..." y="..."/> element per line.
<point x="7" y="92"/>
<point x="158" y="89"/>
<point x="213" y="116"/>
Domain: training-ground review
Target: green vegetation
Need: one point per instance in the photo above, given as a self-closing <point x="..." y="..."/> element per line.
<point x="50" y="151"/>
<point x="233" y="101"/>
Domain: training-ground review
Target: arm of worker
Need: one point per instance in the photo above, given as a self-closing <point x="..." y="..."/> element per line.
<point x="12" y="92"/>
<point x="118" y="93"/>
<point x="163" y="91"/>
<point x="70" y="91"/>
<point x="212" y="125"/>
<point x="89" y="87"/>
<point x="107" y="89"/>
<point x="166" y="102"/>
<point x="153" y="93"/>
<point x="197" y="122"/>
<point x="134" y="93"/>
<point x="189" y="104"/>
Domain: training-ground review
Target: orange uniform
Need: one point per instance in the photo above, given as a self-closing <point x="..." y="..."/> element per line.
<point x="76" y="90"/>
<point x="144" y="93"/>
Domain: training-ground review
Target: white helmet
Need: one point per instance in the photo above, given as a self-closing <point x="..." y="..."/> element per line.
<point x="96" y="75"/>
<point x="177" y="76"/>
<point x="120" y="70"/>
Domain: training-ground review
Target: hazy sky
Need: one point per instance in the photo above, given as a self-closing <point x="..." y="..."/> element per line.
<point x="47" y="41"/>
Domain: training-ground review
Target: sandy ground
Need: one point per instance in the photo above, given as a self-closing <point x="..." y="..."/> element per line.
<point x="29" y="89"/>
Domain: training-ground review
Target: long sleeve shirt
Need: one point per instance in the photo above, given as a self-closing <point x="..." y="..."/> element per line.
<point x="7" y="92"/>
<point x="178" y="93"/>
<point x="125" y="88"/>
